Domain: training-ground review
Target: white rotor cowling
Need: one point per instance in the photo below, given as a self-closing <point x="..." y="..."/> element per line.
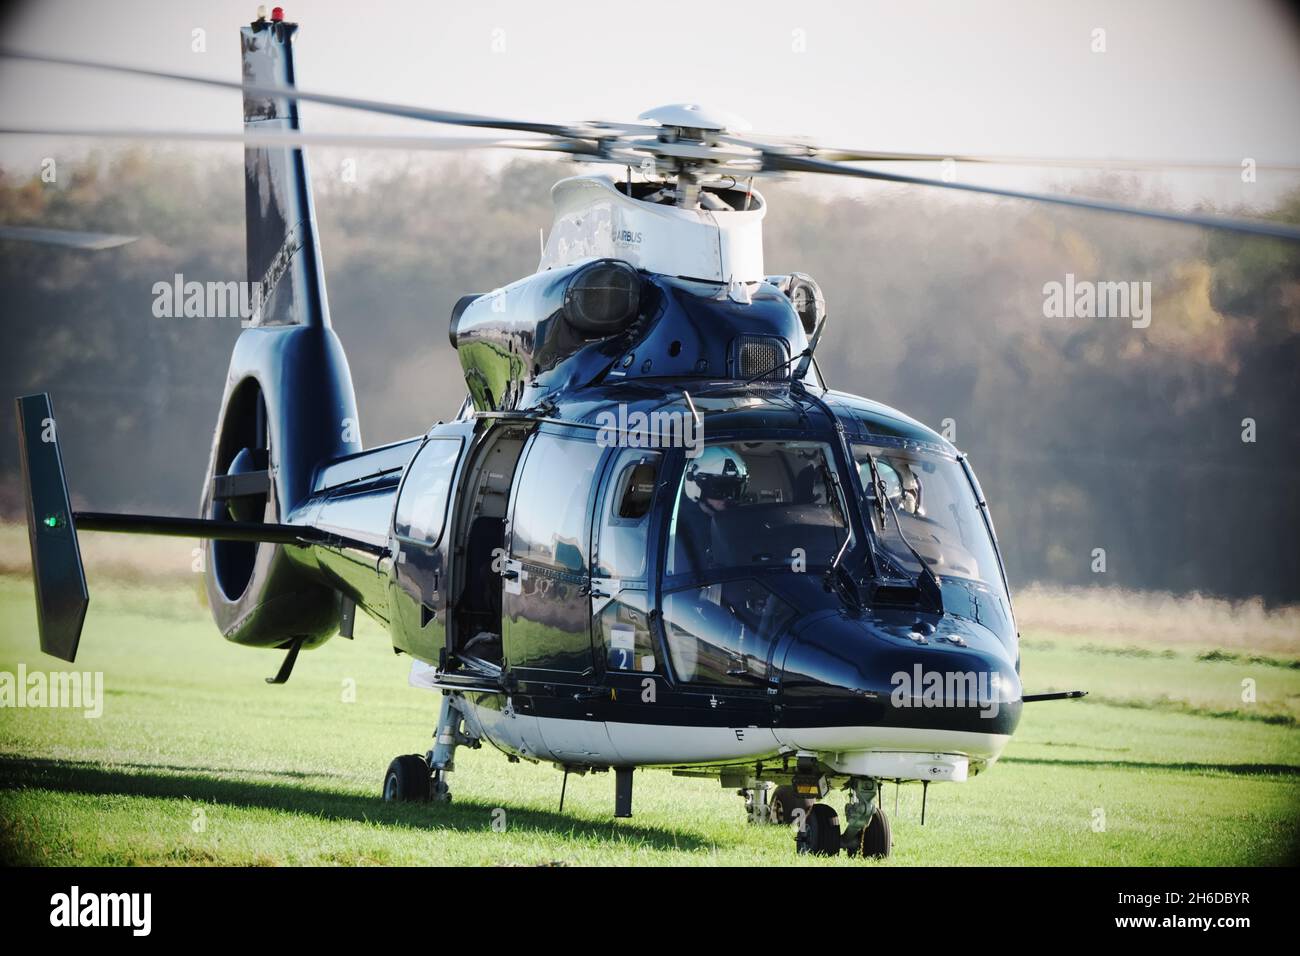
<point x="594" y="220"/>
<point x="694" y="116"/>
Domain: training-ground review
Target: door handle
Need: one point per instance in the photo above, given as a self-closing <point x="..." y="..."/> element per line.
<point x="596" y="587"/>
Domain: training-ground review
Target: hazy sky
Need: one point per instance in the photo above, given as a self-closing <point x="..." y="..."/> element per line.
<point x="1192" y="79"/>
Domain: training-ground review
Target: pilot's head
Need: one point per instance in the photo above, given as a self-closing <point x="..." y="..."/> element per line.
<point x="717" y="478"/>
<point x="911" y="487"/>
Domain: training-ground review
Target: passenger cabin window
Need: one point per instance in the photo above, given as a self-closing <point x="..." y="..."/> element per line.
<point x="422" y="503"/>
<point x="550" y="515"/>
<point x="623" y="536"/>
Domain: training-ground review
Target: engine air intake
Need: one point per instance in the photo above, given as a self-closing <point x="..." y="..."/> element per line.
<point x="762" y="358"/>
<point x="602" y="298"/>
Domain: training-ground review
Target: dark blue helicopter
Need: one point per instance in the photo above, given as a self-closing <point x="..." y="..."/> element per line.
<point x="652" y="536"/>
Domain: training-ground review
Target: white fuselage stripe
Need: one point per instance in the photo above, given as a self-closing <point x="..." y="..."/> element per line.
<point x="611" y="744"/>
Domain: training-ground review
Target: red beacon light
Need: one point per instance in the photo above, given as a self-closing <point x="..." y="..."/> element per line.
<point x="277" y="14"/>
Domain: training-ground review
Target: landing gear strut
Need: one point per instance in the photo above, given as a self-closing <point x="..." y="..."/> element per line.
<point x="424" y="778"/>
<point x="758" y="807"/>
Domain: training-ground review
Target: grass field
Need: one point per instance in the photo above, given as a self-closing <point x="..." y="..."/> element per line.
<point x="196" y="761"/>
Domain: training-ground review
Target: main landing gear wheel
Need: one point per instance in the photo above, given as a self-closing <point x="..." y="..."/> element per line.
<point x="820" y="834"/>
<point x="875" y="841"/>
<point x="407" y="780"/>
<point x="784" y="803"/>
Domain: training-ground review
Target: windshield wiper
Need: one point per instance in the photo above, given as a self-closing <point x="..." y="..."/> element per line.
<point x="838" y="579"/>
<point x="882" y="501"/>
<point x="878" y="488"/>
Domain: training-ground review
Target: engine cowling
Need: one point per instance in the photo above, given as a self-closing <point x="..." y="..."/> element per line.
<point x="526" y="331"/>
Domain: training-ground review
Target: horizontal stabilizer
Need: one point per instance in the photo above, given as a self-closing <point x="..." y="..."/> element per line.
<point x="217" y="530"/>
<point x="52" y="526"/>
<point x="61" y="596"/>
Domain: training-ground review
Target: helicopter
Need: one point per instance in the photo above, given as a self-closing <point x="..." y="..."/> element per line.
<point x="652" y="536"/>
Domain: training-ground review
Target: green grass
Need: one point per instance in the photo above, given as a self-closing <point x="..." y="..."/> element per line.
<point x="197" y="761"/>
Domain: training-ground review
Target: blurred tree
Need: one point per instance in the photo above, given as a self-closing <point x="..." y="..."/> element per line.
<point x="1087" y="433"/>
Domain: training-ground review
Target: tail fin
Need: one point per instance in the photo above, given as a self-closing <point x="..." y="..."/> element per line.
<point x="288" y="408"/>
<point x="283" y="246"/>
<point x="289" y="405"/>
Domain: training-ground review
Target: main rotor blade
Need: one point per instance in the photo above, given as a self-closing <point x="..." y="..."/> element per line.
<point x="72" y="239"/>
<point x="297" y="138"/>
<point x="424" y="114"/>
<point x="834" y="154"/>
<point x="781" y="162"/>
<point x="854" y="156"/>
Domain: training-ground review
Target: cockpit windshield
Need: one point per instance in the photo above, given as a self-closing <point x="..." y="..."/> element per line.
<point x="929" y="508"/>
<point x="757" y="504"/>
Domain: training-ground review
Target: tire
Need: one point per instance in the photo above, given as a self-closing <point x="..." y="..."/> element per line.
<point x="407" y="780"/>
<point x="785" y="801"/>
<point x="876" y="841"/>
<point x="821" y="832"/>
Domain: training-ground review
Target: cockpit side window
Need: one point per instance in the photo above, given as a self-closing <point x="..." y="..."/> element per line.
<point x="757" y="504"/>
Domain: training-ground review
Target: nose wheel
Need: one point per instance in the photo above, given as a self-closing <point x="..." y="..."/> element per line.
<point x="820" y="832"/>
<point x="875" y="840"/>
<point x="865" y="831"/>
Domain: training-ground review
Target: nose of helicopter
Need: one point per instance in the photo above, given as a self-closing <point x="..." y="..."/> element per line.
<point x="896" y="683"/>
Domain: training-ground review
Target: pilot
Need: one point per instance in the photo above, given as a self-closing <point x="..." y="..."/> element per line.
<point x="715" y="481"/>
<point x="911" y="491"/>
